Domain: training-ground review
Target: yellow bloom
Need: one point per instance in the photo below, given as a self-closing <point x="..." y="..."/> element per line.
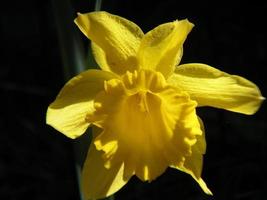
<point x="141" y="105"/>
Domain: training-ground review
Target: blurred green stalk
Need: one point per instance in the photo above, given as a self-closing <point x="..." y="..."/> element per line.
<point x="98" y="4"/>
<point x="74" y="61"/>
<point x="72" y="50"/>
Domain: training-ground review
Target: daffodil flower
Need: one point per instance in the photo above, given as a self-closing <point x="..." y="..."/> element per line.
<point x="141" y="104"/>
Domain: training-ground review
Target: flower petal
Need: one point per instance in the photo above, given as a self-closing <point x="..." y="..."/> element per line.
<point x="161" y="48"/>
<point x="67" y="113"/>
<point x="115" y="40"/>
<point x="98" y="181"/>
<point x="212" y="87"/>
<point x="193" y="164"/>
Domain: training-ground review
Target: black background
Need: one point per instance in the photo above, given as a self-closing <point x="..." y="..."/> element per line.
<point x="37" y="163"/>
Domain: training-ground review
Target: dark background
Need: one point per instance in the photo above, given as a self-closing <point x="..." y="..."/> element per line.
<point x="37" y="163"/>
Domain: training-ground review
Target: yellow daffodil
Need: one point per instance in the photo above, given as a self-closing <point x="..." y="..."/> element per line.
<point x="142" y="106"/>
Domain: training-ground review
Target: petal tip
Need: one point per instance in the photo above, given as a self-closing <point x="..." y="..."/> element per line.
<point x="204" y="187"/>
<point x="262" y="98"/>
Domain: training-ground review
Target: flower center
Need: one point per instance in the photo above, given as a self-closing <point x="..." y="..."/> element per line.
<point x="142" y="99"/>
<point x="147" y="124"/>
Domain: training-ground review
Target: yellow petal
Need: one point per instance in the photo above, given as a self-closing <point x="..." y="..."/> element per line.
<point x="146" y="123"/>
<point x="212" y="87"/>
<point x="193" y="164"/>
<point x="98" y="181"/>
<point x="201" y="142"/>
<point x="161" y="48"/>
<point x="67" y="113"/>
<point x="115" y="40"/>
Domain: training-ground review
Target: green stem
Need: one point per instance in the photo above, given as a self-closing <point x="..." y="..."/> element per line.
<point x="73" y="62"/>
<point x="98" y="4"/>
<point x="72" y="50"/>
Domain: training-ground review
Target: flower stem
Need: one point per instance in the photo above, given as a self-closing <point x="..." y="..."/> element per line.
<point x="71" y="47"/>
<point x="73" y="62"/>
<point x="98" y="4"/>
